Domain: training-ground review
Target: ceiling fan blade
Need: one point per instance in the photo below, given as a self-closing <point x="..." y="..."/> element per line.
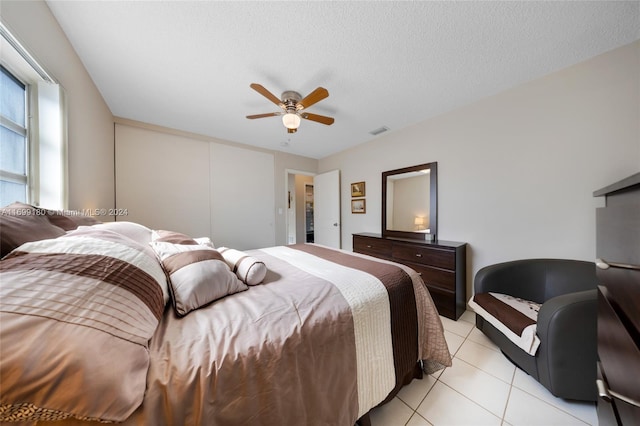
<point x="267" y="94"/>
<point x="269" y="114"/>
<point x="317" y="95"/>
<point x="319" y="118"/>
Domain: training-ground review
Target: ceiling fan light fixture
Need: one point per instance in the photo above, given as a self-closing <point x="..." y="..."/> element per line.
<point x="291" y="121"/>
<point x="293" y="106"/>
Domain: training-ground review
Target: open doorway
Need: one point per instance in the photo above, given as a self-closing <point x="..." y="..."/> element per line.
<point x="308" y="212"/>
<point x="325" y="202"/>
<point x="300" y="207"/>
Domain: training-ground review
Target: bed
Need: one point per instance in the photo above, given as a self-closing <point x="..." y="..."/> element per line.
<point x="114" y="322"/>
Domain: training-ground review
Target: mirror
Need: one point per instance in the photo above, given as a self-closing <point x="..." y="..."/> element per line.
<point x="410" y="202"/>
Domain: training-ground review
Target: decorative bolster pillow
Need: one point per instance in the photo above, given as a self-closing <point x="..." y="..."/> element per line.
<point x="250" y="270"/>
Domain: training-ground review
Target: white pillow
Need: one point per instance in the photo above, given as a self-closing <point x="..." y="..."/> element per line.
<point x="205" y="241"/>
<point x="135" y="231"/>
<point x="249" y="269"/>
<point x="198" y="275"/>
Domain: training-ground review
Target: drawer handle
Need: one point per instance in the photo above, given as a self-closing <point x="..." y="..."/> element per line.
<point x="418" y="255"/>
<point x="368" y="245"/>
<point x="606" y="265"/>
<point x="605" y="393"/>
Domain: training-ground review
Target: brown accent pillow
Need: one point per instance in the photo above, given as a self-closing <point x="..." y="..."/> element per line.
<point x="21" y="223"/>
<point x="82" y="220"/>
<point x="70" y="219"/>
<point x="61" y="220"/>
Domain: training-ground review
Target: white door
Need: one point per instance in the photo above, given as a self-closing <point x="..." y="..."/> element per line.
<point x="326" y="213"/>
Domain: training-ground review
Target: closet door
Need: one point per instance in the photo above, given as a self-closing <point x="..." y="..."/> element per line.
<point x="162" y="180"/>
<point x="242" y="197"/>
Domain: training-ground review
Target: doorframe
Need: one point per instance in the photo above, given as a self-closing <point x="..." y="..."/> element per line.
<point x="285" y="196"/>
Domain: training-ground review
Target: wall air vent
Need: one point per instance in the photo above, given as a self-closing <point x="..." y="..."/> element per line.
<point x="379" y="130"/>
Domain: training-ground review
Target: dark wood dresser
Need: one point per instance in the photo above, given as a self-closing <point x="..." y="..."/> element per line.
<point x="442" y="265"/>
<point x="618" y="269"/>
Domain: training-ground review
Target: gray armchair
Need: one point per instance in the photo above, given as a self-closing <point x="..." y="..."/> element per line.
<point x="565" y="362"/>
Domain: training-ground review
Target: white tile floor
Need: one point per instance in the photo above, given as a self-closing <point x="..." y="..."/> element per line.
<point x="481" y="388"/>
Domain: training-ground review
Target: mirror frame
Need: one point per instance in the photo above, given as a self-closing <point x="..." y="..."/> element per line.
<point x="433" y="203"/>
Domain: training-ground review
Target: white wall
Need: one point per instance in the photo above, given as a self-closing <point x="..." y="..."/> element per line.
<point x="516" y="171"/>
<point x="90" y="122"/>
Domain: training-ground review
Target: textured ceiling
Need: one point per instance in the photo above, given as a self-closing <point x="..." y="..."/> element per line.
<point x="188" y="65"/>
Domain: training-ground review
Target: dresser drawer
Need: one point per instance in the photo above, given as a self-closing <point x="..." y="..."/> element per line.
<point x="373" y="246"/>
<point x="442" y="266"/>
<point x="434" y="276"/>
<point x="617" y="349"/>
<point x="445" y="301"/>
<point x="605" y="406"/>
<point x="618" y="232"/>
<point x="440" y="258"/>
<point x="623" y="286"/>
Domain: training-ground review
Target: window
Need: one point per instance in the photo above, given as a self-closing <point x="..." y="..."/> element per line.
<point x="33" y="162"/>
<point x="14" y="145"/>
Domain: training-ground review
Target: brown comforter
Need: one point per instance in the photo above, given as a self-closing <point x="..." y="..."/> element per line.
<point x="326" y="337"/>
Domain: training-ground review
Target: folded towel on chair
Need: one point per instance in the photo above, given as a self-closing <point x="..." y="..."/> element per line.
<point x="514" y="317"/>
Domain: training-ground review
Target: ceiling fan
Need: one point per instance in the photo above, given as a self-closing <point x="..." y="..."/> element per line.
<point x="292" y="105"/>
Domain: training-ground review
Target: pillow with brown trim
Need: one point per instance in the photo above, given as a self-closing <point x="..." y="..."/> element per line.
<point x="198" y="275"/>
<point x="249" y="269"/>
<point x="179" y="238"/>
<point x="172" y="237"/>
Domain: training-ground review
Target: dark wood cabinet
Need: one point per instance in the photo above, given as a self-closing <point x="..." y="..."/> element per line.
<point x="442" y="265"/>
<point x="618" y="269"/>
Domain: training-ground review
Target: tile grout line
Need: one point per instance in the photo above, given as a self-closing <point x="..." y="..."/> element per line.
<point x="471" y="400"/>
<point x="513" y="375"/>
<point x="461" y="360"/>
<point x="550" y="404"/>
<point x="506" y="405"/>
<point x="502" y="420"/>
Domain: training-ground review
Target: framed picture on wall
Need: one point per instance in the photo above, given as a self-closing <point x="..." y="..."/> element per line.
<point x="359" y="206"/>
<point x="357" y="189"/>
